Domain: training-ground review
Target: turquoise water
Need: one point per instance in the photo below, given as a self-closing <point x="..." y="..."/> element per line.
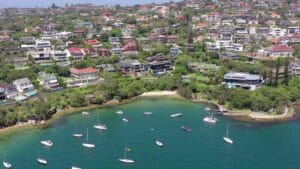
<point x="273" y="146"/>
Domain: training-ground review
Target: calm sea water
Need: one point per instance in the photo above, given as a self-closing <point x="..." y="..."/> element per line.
<point x="47" y="3"/>
<point x="273" y="146"/>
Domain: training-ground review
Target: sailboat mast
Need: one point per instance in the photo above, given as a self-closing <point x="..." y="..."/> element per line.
<point x="227" y="131"/>
<point x="125" y="152"/>
<point x="87" y="135"/>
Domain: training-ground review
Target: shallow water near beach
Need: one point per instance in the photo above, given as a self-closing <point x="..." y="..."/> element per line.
<point x="255" y="146"/>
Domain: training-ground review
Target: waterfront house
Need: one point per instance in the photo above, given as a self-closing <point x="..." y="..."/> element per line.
<point x="243" y="80"/>
<point x="8" y="91"/>
<point x="48" y="81"/>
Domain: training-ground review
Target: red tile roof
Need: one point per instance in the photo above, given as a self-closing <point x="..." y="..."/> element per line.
<point x="280" y="48"/>
<point x="75" y="50"/>
<point x="83" y="71"/>
<point x="92" y="42"/>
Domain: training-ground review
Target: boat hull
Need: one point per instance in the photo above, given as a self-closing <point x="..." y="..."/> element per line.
<point x="227" y="140"/>
<point x="128" y="161"/>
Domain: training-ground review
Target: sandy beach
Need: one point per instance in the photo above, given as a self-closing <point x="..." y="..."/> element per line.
<point x="159" y="93"/>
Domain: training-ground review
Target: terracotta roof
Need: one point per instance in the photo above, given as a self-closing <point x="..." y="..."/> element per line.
<point x="83" y="71"/>
<point x="279" y="48"/>
<point x="75" y="50"/>
<point x="92" y="42"/>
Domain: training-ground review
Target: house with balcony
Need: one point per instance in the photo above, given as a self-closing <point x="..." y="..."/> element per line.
<point x="159" y="65"/>
<point x="48" y="81"/>
<point x="243" y="80"/>
<point x="75" y="53"/>
<point x="278" y="51"/>
<point x="25" y="88"/>
<point x="82" y="77"/>
<point x="131" y="67"/>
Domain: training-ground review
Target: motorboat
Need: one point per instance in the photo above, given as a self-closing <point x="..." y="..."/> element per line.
<point x="74" y="167"/>
<point x="210" y="119"/>
<point x="159" y="143"/>
<point x="119" y="112"/>
<point x="100" y="127"/>
<point x="6" y="164"/>
<point x="185" y="128"/>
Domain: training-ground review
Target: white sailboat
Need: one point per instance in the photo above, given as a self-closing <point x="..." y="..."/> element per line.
<point x="87" y="144"/>
<point x="147" y="113"/>
<point x="100" y="126"/>
<point x="159" y="143"/>
<point x="84" y="113"/>
<point x="226" y="138"/>
<point x="75" y="167"/>
<point x="42" y="161"/>
<point x="176" y="115"/>
<point x="119" y="112"/>
<point x="207" y="109"/>
<point x="125" y="120"/>
<point x="6" y="164"/>
<point x="78" y="135"/>
<point x="47" y="143"/>
<point x="125" y="159"/>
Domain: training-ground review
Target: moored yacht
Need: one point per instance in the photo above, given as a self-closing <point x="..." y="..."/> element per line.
<point x="100" y="127"/>
<point x="125" y="159"/>
<point x="159" y="143"/>
<point x="75" y="167"/>
<point x="125" y="120"/>
<point x="78" y="135"/>
<point x="207" y="109"/>
<point x="226" y="138"/>
<point x="147" y="113"/>
<point x="84" y="113"/>
<point x="6" y="164"/>
<point x="176" y="115"/>
<point x="119" y="112"/>
<point x="87" y="144"/>
<point x="210" y="119"/>
<point x="42" y="161"/>
<point x="47" y="143"/>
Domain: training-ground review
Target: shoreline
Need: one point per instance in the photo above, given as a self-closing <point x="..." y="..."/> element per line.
<point x="249" y="116"/>
<point x="235" y="115"/>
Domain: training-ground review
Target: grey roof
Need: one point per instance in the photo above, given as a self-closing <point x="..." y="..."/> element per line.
<point x="242" y="76"/>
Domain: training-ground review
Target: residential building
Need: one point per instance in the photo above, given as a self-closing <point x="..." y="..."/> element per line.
<point x="131" y="67"/>
<point x="278" y="51"/>
<point x="48" y="81"/>
<point x="243" y="80"/>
